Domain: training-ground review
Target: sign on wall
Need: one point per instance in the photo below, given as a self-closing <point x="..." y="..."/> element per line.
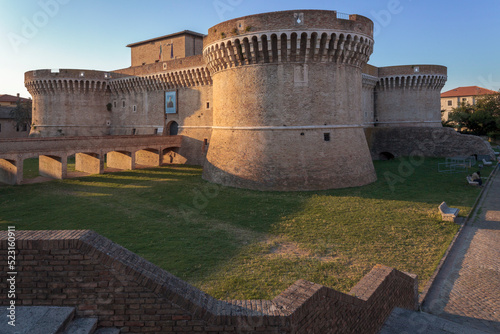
<point x="171" y="102"/>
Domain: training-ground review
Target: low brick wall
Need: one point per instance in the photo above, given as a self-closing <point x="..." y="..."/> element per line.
<point x="102" y="279"/>
<point x="428" y="142"/>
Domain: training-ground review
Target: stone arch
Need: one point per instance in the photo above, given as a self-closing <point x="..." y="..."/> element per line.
<point x="247" y="52"/>
<point x="265" y="48"/>
<point x="284" y="47"/>
<point x="313" y="46"/>
<point x="331" y="46"/>
<point x="386" y="156"/>
<point x="293" y="47"/>
<point x="274" y="48"/>
<point x="239" y="49"/>
<point x="322" y="46"/>
<point x="255" y="45"/>
<point x="303" y="46"/>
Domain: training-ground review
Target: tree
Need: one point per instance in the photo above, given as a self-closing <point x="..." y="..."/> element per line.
<point x="481" y="119"/>
<point x="21" y="114"/>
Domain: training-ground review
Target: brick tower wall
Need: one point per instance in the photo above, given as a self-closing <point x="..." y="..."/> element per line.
<point x="287" y="113"/>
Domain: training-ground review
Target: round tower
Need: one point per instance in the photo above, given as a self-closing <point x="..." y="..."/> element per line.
<point x="287" y="109"/>
<point x="409" y="96"/>
<point x="69" y="102"/>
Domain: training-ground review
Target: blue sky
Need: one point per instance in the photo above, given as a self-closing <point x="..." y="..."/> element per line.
<point x="92" y="34"/>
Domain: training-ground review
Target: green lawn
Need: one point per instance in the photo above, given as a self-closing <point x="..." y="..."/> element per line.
<point x="243" y="244"/>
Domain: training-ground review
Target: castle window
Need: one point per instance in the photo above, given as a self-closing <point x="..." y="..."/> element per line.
<point x="123" y="104"/>
<point x="114" y="104"/>
<point x="326" y="136"/>
<point x="134" y="131"/>
<point x="0" y="127"/>
<point x="208" y="105"/>
<point x="450" y="102"/>
<point x="134" y="108"/>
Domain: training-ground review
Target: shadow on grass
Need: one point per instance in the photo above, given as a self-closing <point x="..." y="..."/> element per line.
<point x="201" y="231"/>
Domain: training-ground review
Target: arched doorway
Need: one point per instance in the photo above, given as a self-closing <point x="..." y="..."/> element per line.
<point x="172" y="128"/>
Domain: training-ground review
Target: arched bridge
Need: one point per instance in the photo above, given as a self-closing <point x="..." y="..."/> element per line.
<point x="121" y="152"/>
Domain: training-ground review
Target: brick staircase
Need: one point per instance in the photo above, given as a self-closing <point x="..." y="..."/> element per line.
<point x="49" y="320"/>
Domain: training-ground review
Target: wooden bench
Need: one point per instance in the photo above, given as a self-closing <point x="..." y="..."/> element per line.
<point x="447" y="213"/>
<point x="472" y="183"/>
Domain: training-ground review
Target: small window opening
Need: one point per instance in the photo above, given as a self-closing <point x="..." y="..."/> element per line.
<point x="208" y="105"/>
<point x="134" y="131"/>
<point x="326" y="136"/>
<point x="123" y="104"/>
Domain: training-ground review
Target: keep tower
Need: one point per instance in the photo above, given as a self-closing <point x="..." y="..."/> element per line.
<point x="287" y="112"/>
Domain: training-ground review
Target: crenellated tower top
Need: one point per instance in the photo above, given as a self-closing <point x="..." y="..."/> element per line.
<point x="289" y="36"/>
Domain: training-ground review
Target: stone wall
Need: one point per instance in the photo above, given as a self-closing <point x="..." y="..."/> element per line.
<point x="102" y="279"/>
<point x="429" y="142"/>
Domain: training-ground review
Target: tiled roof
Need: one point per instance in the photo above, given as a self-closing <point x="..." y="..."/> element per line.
<point x="467" y="91"/>
<point x="11" y="98"/>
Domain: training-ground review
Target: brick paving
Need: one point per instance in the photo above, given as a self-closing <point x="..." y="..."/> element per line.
<point x="467" y="288"/>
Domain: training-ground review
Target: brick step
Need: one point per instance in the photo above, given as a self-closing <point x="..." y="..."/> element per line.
<point x="37" y="319"/>
<point x="49" y="320"/>
<point x="411" y="322"/>
<point x="82" y="326"/>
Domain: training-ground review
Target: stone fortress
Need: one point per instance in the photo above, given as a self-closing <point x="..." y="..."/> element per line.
<point x="275" y="101"/>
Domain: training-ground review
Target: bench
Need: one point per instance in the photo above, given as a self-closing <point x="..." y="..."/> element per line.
<point x="472" y="183"/>
<point x="487" y="163"/>
<point x="447" y="213"/>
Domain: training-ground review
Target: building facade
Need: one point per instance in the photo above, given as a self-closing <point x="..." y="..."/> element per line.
<point x="8" y="126"/>
<point x="275" y="101"/>
<point x="454" y="98"/>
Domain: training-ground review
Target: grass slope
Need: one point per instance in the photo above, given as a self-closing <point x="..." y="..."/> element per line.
<point x="243" y="244"/>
